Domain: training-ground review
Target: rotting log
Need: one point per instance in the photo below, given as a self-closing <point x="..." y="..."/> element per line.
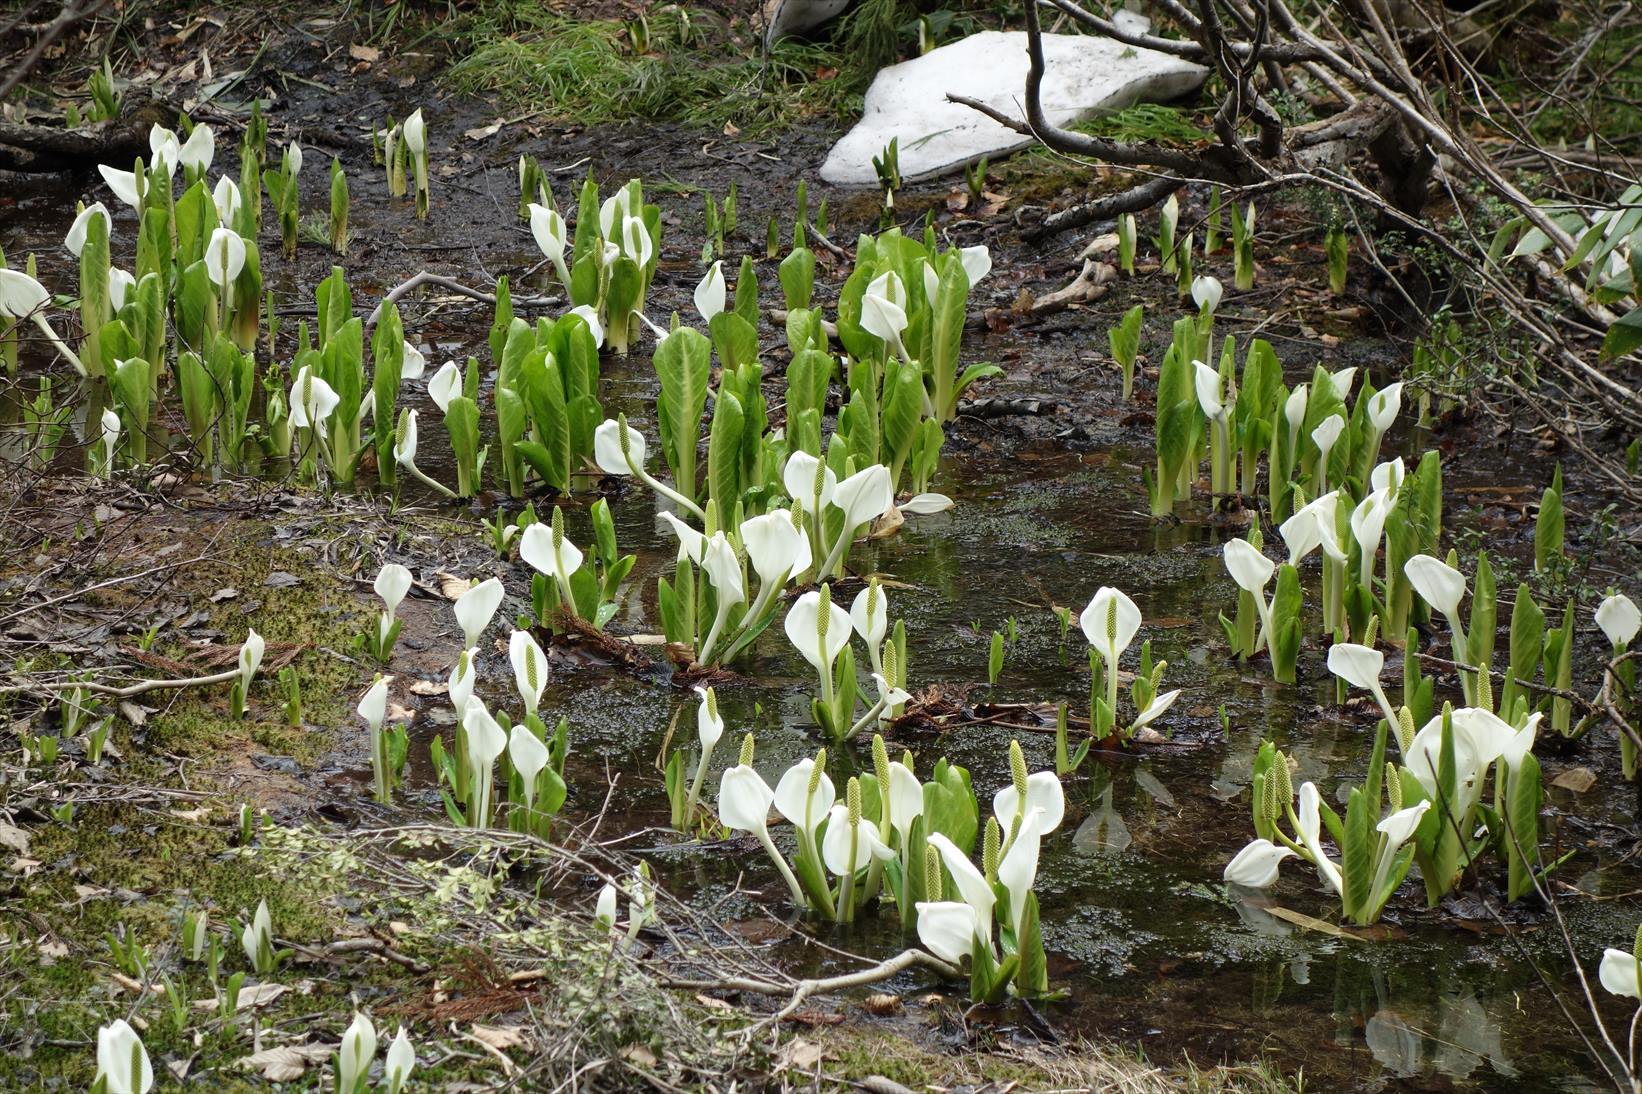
<point x="44" y="149"/>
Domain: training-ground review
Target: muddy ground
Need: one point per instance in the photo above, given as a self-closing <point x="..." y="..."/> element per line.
<point x="164" y="573"/>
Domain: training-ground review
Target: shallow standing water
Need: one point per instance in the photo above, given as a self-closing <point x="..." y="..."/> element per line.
<point x="1144" y="939"/>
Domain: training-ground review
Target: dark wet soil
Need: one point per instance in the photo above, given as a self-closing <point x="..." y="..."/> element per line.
<point x="1049" y="506"/>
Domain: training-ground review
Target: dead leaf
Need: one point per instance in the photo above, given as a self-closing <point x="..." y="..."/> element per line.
<point x="368" y="54"/>
<point x="713" y="1002"/>
<point x="194" y="815"/>
<point x="801" y="1055"/>
<point x="500" y="1037"/>
<point x="252" y="995"/>
<point x="89" y="892"/>
<point x="13" y="838"/>
<point x="640" y="1055"/>
<point x="220" y="595"/>
<point x="430" y="687"/>
<point x="397" y="713"/>
<point x="887" y="525"/>
<point x="51" y="950"/>
<point x="730" y="129"/>
<point x="287" y="1062"/>
<point x="136" y="715"/>
<point x="1577" y="779"/>
<point x="179" y="1068"/>
<point x="1310" y="923"/>
<point x="481" y="132"/>
<point x="450" y="586"/>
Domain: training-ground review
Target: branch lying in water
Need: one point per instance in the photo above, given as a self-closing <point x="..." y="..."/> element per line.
<point x="801" y="991"/>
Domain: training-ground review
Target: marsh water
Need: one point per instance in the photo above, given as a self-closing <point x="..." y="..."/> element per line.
<point x="1146" y="943"/>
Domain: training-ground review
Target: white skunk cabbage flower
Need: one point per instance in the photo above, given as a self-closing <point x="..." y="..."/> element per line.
<point x="224" y="257"/>
<point x="445" y="385"/>
<point x="1255" y="866"/>
<point x="122" y="1061"/>
<point x="710" y="293"/>
<point x="475" y="608"/>
<point x="1619" y="619"/>
<point x="354" y="1055"/>
<point x="75" y="240"/>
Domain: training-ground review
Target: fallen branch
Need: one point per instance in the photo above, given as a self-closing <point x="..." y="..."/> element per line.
<point x="416" y="281"/>
<point x="884" y="970"/>
<point x="1133" y="200"/>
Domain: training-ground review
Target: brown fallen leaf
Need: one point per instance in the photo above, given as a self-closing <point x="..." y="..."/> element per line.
<point x="801" y="1055"/>
<point x="451" y="586"/>
<point x="1576" y="779"/>
<point x="640" y="1055"/>
<point x="368" y="54"/>
<point x="430" y="687"/>
<point x="13" y="838"/>
<point x="287" y="1062"/>
<point x="252" y="995"/>
<point x="500" y="1037"/>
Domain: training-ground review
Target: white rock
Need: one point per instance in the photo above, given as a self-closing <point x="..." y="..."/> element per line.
<point x="1086" y="74"/>
<point x="784" y="17"/>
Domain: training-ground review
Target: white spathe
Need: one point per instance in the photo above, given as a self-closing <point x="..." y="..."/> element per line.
<point x="1087" y="74"/>
<point x="1619" y="619"/>
<point x="1255" y="866"/>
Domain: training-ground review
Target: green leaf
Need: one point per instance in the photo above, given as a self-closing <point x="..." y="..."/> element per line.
<point x="724" y="455"/>
<point x="683" y="362"/>
<point x="946" y="331"/>
<point x="1032" y="974"/>
<point x="1521" y="838"/>
<point x="734" y="339"/>
<point x="797" y="273"/>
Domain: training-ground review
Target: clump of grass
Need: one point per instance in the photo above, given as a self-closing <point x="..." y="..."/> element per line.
<point x="1147" y="122"/>
<point x="672" y="66"/>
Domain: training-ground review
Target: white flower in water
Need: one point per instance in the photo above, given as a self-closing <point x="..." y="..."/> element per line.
<point x="548" y="228"/>
<point x="1439" y="584"/>
<point x="226" y="198"/>
<point x="413" y="363"/>
<point x="805" y="632"/>
<point x="1255" y="866"/>
<point x="75" y="241"/>
<point x="475" y="608"/>
<point x="529" y="667"/>
<point x="1206" y="293"/>
<point x="976" y="261"/>
<point x="1110" y="623"/>
<point x="809" y="482"/>
<point x="123" y="183"/>
<point x="373" y="707"/>
<point x="948" y="928"/>
<point x="710" y="293"/>
<point x="587" y="314"/>
<point x="120" y="285"/>
<point x="224" y="257"/>
<point x="416" y="133"/>
<point x="1619" y="975"/>
<point x="1384" y="406"/>
<point x="445" y="385"/>
<point x="313" y="401"/>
